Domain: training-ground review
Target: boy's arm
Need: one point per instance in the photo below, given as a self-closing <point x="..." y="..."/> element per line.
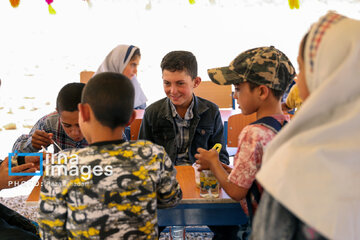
<point x="21" y="160"/>
<point x="169" y="192"/>
<point x="53" y="210"/>
<point x="218" y="137"/>
<point x="24" y="142"/>
<point x="210" y="160"/>
<point x="7" y="181"/>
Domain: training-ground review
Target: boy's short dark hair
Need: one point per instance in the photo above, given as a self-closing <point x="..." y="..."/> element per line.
<point x="111" y="98"/>
<point x="179" y="61"/>
<point x="69" y="97"/>
<point x="276" y="93"/>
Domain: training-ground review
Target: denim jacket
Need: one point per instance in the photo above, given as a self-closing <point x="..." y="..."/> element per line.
<point x="206" y="128"/>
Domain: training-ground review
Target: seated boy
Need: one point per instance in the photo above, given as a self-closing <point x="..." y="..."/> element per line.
<point x="125" y="182"/>
<point x="182" y="122"/>
<point x="260" y="77"/>
<point x="61" y="126"/>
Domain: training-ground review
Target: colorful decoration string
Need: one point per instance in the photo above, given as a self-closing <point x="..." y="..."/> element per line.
<point x="51" y="10"/>
<point x="14" y="3"/>
<point x="294" y="4"/>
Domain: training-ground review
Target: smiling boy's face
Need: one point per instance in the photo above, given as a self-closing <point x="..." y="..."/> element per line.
<point x="179" y="87"/>
<point x="70" y="124"/>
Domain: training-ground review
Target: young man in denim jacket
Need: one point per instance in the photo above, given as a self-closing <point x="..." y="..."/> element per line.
<point x="182" y="122"/>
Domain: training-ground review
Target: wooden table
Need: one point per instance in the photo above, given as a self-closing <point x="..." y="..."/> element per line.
<point x="194" y="210"/>
<point x="34" y="196"/>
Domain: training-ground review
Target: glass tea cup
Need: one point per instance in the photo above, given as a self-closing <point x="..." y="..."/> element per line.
<point x="209" y="185"/>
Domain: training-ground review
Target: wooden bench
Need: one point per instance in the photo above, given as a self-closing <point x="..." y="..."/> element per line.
<point x="85" y="76"/>
<point x="221" y="95"/>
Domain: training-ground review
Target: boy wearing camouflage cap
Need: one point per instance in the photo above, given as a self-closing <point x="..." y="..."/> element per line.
<point x="260" y="76"/>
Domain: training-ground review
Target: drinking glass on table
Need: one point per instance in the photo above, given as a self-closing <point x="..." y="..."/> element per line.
<point x="209" y="185"/>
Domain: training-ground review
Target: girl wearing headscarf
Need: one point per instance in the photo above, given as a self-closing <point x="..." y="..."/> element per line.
<point x="125" y="59"/>
<point x="311" y="170"/>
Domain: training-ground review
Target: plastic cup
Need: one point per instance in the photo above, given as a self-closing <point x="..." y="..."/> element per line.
<point x="209" y="185"/>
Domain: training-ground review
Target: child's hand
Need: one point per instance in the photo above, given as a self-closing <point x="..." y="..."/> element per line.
<point x="35" y="160"/>
<point x="7" y="181"/>
<point x="206" y="158"/>
<point x="41" y="138"/>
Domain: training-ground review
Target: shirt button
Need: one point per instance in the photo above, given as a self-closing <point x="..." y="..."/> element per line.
<point x="202" y="132"/>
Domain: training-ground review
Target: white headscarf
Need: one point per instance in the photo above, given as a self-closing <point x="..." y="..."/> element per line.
<point x="312" y="166"/>
<point x="116" y="61"/>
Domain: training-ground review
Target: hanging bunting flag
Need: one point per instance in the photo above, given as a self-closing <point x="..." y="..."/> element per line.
<point x="14" y="3"/>
<point x="51" y="10"/>
<point x="294" y="4"/>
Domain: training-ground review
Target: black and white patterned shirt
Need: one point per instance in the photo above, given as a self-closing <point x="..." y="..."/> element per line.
<point x="120" y="205"/>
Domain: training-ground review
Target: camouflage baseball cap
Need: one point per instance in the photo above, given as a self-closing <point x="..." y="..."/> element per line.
<point x="264" y="66"/>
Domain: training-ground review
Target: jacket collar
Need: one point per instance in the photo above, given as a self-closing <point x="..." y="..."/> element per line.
<point x="199" y="108"/>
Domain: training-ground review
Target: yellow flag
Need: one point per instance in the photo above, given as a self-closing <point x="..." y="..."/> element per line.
<point x="294" y="4"/>
<point x="51" y="10"/>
